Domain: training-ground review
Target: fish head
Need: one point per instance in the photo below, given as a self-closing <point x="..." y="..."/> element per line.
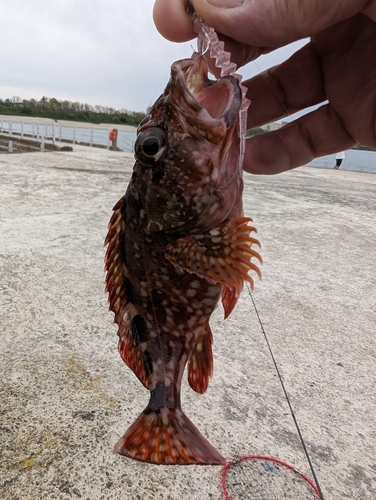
<point x="187" y="171"/>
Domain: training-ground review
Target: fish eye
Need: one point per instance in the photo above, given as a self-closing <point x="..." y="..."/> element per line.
<point x="150" y="145"/>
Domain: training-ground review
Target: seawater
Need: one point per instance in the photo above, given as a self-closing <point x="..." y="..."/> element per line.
<point x="356" y="160"/>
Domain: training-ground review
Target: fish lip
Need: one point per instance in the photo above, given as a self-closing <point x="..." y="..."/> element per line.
<point x="190" y="77"/>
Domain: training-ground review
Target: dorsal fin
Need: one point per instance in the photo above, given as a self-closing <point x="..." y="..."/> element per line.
<point x="132" y="345"/>
<point x="115" y="268"/>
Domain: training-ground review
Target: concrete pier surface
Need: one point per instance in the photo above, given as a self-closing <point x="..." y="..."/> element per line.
<point x="66" y="397"/>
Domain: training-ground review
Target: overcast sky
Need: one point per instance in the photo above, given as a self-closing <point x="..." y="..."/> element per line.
<point x="107" y="53"/>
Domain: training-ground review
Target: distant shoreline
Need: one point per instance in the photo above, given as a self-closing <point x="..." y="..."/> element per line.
<point x="364" y="148"/>
<point x="67" y="123"/>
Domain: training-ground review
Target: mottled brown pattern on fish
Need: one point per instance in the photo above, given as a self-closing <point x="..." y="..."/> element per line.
<point x="177" y="242"/>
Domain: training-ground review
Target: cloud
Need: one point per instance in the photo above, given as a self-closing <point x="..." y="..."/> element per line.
<point x="98" y="52"/>
<point x="106" y="53"/>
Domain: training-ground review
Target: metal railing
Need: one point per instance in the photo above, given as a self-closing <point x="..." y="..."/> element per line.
<point x="84" y="135"/>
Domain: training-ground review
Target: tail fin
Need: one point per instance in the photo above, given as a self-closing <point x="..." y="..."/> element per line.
<point x="166" y="436"/>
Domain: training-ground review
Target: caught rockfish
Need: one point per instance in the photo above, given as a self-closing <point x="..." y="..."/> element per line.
<point x="177" y="242"/>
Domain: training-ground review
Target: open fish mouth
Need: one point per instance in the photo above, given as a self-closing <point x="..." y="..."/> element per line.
<point x="211" y="100"/>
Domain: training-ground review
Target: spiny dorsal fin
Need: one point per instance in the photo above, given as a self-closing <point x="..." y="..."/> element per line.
<point x="131" y="346"/>
<point x="116" y="271"/>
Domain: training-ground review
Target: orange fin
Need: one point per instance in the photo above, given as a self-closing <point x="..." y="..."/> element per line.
<point x="223" y="255"/>
<point x="200" y="364"/>
<point x="167" y="437"/>
<point x="116" y="271"/>
<point x="230" y="297"/>
<point x="133" y="355"/>
<point x="130" y="347"/>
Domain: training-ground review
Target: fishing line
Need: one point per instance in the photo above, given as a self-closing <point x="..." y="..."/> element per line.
<point x="287" y="397"/>
<point x="260" y="72"/>
<point x="264" y="332"/>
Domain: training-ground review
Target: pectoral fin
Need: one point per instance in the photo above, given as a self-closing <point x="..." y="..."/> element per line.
<point x="223" y="255"/>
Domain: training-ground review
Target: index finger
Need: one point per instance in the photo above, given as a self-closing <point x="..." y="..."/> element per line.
<point x="280" y="91"/>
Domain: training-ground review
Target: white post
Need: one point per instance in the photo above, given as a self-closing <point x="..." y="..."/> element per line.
<point x="42" y="144"/>
<point x="10" y="128"/>
<point x="45" y="131"/>
<point x="91" y="136"/>
<point x="60" y="133"/>
<point x="37" y="130"/>
<point x="10" y="146"/>
<point x="22" y="129"/>
<point x="74" y="134"/>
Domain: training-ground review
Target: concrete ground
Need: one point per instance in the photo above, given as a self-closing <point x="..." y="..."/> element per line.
<point x="66" y="396"/>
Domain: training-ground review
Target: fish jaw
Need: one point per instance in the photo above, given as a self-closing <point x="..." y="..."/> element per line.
<point x="210" y="107"/>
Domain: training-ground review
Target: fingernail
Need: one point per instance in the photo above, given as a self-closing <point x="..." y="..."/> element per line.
<point x="227" y="4"/>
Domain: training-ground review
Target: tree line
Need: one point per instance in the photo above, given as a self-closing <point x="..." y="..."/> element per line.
<point x="66" y="110"/>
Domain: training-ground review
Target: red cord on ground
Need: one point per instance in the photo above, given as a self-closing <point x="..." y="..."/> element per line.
<point x="269" y="459"/>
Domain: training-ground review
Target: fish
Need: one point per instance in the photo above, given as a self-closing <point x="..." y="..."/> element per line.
<point x="177" y="243"/>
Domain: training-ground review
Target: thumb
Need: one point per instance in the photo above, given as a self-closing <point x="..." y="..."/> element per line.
<point x="272" y="23"/>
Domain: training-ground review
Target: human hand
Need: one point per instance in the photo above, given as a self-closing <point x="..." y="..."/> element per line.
<point x="338" y="65"/>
